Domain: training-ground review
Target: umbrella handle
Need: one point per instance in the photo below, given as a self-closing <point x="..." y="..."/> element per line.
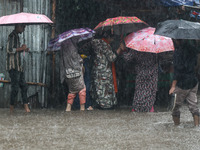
<point x="112" y="31"/>
<point x="23" y="38"/>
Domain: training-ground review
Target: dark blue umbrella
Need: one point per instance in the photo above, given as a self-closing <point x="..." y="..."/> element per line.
<point x="171" y="3"/>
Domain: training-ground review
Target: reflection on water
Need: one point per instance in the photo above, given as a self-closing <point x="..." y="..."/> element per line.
<point x="111" y="129"/>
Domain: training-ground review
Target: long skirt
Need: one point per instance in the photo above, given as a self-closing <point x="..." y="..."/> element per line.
<point x="145" y="90"/>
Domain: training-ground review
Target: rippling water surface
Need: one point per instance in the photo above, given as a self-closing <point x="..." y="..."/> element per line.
<point x="98" y="129"/>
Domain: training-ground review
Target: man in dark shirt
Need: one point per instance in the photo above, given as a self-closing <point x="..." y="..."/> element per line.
<point x="185" y="82"/>
<point x="15" y="67"/>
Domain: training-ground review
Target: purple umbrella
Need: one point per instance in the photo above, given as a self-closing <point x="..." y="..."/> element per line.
<point x="80" y="34"/>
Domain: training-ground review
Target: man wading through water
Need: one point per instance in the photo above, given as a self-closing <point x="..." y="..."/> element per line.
<point x="185" y="82"/>
<point x="15" y="67"/>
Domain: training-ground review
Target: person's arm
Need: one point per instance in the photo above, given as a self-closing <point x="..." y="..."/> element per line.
<point x="110" y="55"/>
<point x="107" y="51"/>
<point x="12" y="48"/>
<point x="22" y="48"/>
<point x="118" y="50"/>
<point x="175" y="74"/>
<point x="121" y="48"/>
<point x="173" y="87"/>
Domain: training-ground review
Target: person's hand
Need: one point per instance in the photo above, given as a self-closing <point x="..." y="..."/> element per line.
<point x="122" y="46"/>
<point x="24" y="47"/>
<point x="171" y="91"/>
<point x="27" y="49"/>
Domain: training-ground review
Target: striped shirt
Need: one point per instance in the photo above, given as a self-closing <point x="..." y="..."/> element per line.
<point x="13" y="57"/>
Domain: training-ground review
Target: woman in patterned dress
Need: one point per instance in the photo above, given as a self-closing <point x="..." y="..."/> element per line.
<point x="102" y="88"/>
<point x="146" y="66"/>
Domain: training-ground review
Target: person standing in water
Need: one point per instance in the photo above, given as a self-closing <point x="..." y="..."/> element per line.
<point x="185" y="82"/>
<point x="15" y="67"/>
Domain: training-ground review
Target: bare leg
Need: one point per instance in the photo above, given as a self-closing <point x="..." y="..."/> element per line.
<point x="11" y="108"/>
<point x="69" y="106"/>
<point x="26" y="108"/>
<point x="70" y="100"/>
<point x="82" y="97"/>
<point x="82" y="107"/>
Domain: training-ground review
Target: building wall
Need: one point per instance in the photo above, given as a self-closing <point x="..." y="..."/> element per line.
<point x="36" y="37"/>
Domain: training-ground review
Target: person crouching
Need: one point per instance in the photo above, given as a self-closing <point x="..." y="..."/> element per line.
<point x="71" y="65"/>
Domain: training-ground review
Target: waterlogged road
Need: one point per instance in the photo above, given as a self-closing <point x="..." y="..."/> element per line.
<point x="96" y="130"/>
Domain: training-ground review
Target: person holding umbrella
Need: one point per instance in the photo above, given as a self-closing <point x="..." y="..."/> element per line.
<point x="71" y="63"/>
<point x="145" y="47"/>
<point x="103" y="73"/>
<point x="86" y="75"/>
<point x="185" y="83"/>
<point x="14" y="49"/>
<point x="15" y="67"/>
<point x="102" y="87"/>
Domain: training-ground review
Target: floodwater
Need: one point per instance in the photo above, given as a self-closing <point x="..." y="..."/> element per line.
<point x="120" y="129"/>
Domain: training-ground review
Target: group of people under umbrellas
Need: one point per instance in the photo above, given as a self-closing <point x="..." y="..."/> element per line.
<point x="103" y="76"/>
<point x="75" y="45"/>
<point x="142" y="47"/>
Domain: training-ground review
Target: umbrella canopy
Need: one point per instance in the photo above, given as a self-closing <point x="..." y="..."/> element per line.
<point x="145" y="41"/>
<point x="172" y="3"/>
<point x="120" y="25"/>
<point x="80" y="34"/>
<point x="26" y="18"/>
<point x="179" y="29"/>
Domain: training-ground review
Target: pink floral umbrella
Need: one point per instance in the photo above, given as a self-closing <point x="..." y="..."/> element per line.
<point x="27" y="18"/>
<point x="145" y="41"/>
<point x="120" y="25"/>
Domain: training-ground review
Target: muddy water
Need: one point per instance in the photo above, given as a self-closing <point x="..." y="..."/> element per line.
<point x="101" y="130"/>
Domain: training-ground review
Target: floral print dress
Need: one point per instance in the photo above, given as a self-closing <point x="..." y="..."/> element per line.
<point x="146" y="66"/>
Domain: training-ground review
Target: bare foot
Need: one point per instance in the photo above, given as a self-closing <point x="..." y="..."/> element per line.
<point x="82" y="107"/>
<point x="90" y="108"/>
<point x="69" y="106"/>
<point x="11" y="109"/>
<point x="26" y="108"/>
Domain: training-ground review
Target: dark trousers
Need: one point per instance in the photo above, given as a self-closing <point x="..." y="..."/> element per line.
<point x="17" y="81"/>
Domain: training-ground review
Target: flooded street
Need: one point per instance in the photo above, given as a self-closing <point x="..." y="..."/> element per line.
<point x="110" y="129"/>
<point x="142" y="53"/>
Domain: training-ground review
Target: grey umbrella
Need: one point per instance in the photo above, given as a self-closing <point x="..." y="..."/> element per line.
<point x="179" y="29"/>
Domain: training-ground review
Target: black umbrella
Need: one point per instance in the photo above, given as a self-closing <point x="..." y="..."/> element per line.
<point x="179" y="29"/>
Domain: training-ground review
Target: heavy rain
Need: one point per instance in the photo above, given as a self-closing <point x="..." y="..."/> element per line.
<point x="99" y="74"/>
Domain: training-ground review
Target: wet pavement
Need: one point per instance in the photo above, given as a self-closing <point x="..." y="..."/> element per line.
<point x="55" y="129"/>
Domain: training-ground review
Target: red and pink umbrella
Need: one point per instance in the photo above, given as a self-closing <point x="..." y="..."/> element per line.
<point x="120" y="25"/>
<point x="26" y="18"/>
<point x="145" y="41"/>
